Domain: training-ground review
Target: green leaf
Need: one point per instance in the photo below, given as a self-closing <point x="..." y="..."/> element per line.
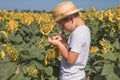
<point x="20" y="75"/>
<point x="116" y="44"/>
<point x="87" y="68"/>
<point x="98" y="68"/>
<point x="7" y="70"/>
<point x="49" y="70"/>
<point x="39" y="66"/>
<point x="34" y="51"/>
<point x="98" y="77"/>
<point x="110" y="56"/>
<point x="15" y="38"/>
<point x="107" y="69"/>
<point x="98" y="62"/>
<point x="52" y="78"/>
<point x="112" y="76"/>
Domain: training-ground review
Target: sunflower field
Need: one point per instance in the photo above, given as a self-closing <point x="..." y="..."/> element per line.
<point x="25" y="53"/>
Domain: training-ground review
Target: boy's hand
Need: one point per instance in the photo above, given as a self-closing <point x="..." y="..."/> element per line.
<point x="53" y="41"/>
<point x="57" y="37"/>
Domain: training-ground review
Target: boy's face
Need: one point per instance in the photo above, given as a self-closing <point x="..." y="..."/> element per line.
<point x="65" y="23"/>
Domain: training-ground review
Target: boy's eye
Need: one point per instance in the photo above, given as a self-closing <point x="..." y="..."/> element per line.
<point x="63" y="21"/>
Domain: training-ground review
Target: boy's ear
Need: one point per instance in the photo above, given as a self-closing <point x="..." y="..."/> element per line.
<point x="71" y="18"/>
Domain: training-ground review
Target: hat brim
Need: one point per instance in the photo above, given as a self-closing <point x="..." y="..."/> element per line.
<point x="72" y="12"/>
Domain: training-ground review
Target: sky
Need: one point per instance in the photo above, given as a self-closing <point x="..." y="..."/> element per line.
<point x="48" y="5"/>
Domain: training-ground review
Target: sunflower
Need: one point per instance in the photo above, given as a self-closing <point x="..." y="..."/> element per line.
<point x="2" y="54"/>
<point x="118" y="17"/>
<point x="32" y="70"/>
<point x="51" y="54"/>
<point x="12" y="52"/>
<point x="12" y="25"/>
<point x="94" y="49"/>
<point x="46" y="29"/>
<point x="5" y="33"/>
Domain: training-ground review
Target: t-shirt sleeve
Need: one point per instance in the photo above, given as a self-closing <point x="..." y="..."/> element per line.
<point x="76" y="42"/>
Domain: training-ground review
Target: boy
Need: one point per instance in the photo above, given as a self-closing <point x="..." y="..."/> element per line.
<point x="75" y="55"/>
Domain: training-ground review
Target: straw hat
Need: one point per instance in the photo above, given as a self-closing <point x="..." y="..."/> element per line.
<point x="63" y="10"/>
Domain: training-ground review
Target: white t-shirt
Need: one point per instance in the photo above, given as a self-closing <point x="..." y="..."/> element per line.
<point x="79" y="42"/>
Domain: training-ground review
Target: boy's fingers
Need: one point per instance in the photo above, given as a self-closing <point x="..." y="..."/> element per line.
<point x="55" y="37"/>
<point x="49" y="39"/>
